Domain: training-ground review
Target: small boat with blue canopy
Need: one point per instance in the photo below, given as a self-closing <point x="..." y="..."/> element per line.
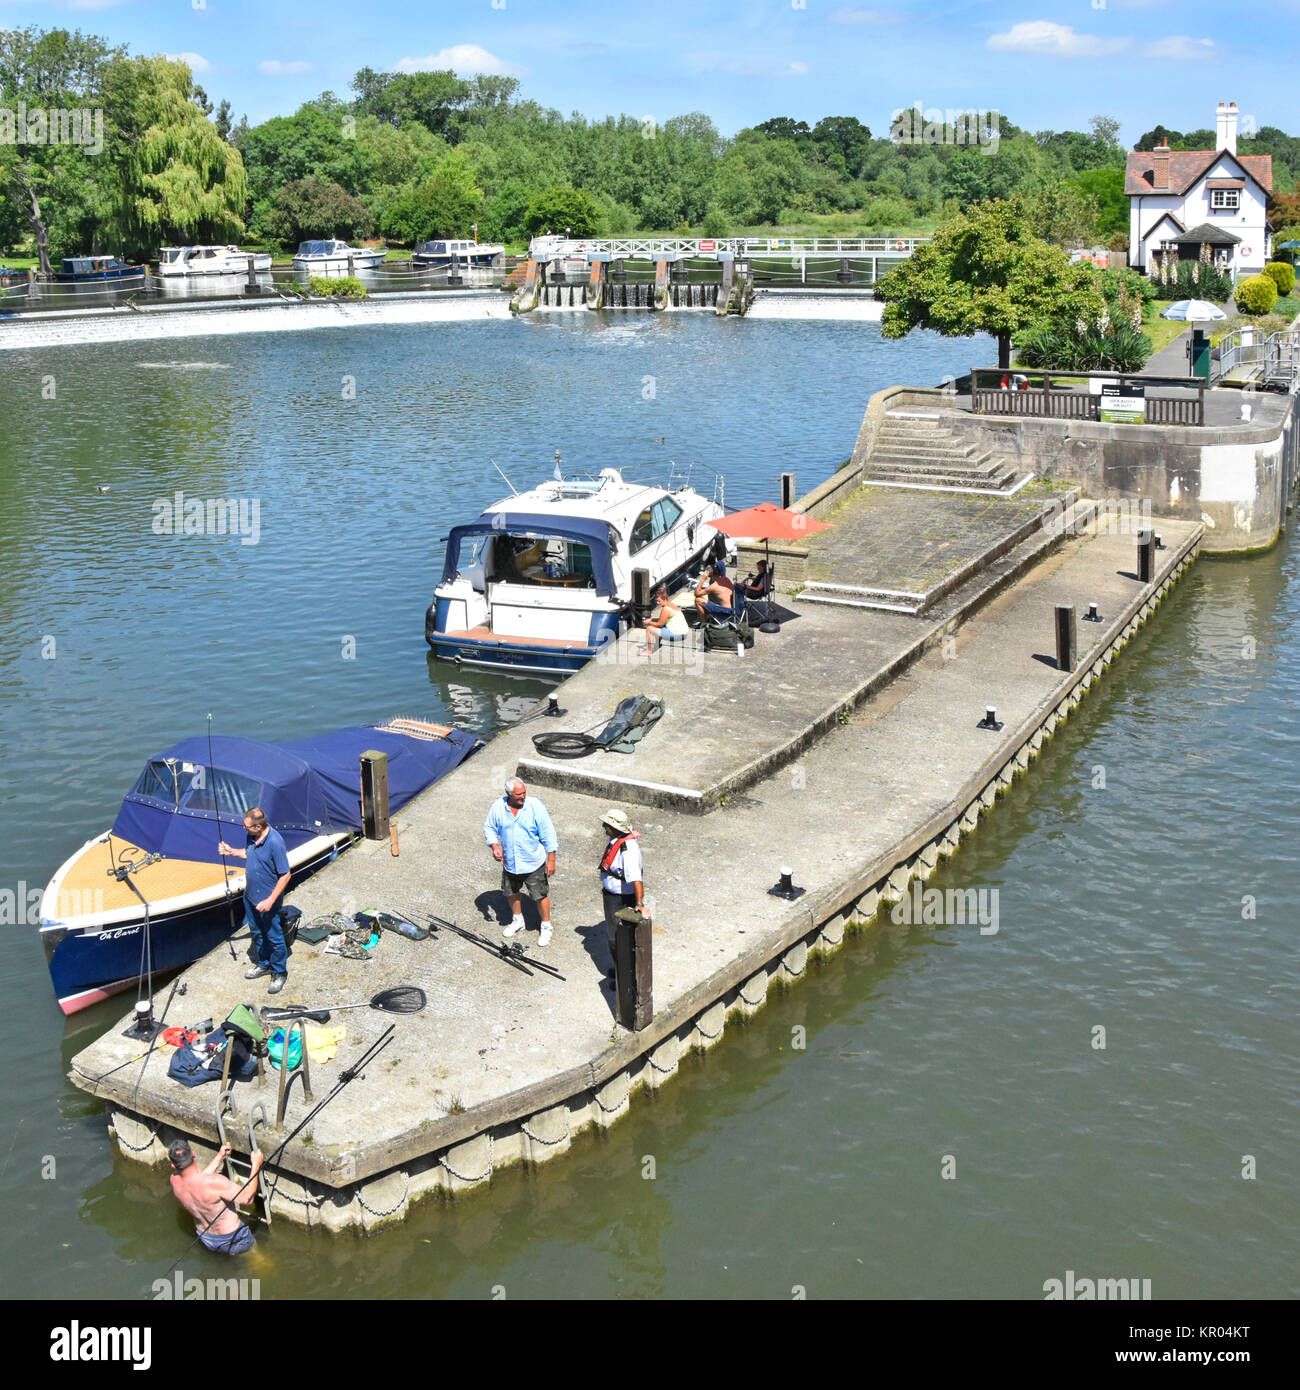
<point x="164" y="843"/>
<point x="95" y="270"/>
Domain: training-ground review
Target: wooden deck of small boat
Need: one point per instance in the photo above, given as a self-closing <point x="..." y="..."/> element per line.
<point x="90" y="874"/>
<point x="497" y="639"/>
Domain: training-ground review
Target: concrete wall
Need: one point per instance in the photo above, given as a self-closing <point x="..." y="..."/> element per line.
<point x="1237" y="480"/>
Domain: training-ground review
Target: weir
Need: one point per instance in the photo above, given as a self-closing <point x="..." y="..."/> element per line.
<point x="872" y="715"/>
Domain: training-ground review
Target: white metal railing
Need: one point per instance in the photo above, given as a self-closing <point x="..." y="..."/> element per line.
<point x="649" y="247"/>
<point x="1282" y="359"/>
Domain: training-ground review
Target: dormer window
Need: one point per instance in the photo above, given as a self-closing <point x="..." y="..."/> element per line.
<point x="1225" y="199"/>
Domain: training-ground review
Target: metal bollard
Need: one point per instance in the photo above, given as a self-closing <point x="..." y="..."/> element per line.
<point x="1146" y="556"/>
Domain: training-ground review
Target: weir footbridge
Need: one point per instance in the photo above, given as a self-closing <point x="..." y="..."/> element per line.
<point x="718" y="273"/>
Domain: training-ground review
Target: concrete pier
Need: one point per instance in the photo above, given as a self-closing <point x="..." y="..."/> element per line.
<point x="847" y="747"/>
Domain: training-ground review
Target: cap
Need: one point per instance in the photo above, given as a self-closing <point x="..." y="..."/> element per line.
<point x="616" y="820"/>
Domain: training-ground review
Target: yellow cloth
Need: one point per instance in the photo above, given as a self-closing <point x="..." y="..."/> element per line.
<point x="323" y="1040"/>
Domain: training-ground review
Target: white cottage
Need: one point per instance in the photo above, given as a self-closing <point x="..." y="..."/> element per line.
<point x="1191" y="198"/>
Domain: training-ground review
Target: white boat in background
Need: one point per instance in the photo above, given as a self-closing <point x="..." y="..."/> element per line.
<point x="476" y="255"/>
<point x="542" y="581"/>
<point x="208" y="260"/>
<point x="337" y="257"/>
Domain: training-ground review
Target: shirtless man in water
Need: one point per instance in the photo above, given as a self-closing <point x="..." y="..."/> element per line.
<point x="210" y="1198"/>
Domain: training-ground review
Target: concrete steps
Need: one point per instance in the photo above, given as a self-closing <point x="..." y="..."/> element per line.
<point x="1069" y="516"/>
<point x="915" y="449"/>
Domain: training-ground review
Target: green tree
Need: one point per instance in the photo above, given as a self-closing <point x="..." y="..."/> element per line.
<point x="1106" y="188"/>
<point x="307" y="208"/>
<point x="444" y="204"/>
<point x="986" y="272"/>
<point x="1061" y="212"/>
<point x="965" y="179"/>
<point x="431" y="99"/>
<point x="57" y="187"/>
<point x="560" y="209"/>
<point x="175" y="176"/>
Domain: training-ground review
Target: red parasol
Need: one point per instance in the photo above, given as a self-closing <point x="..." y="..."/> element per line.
<point x="768" y="522"/>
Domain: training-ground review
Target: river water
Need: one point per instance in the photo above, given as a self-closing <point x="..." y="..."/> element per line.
<point x="954" y="1125"/>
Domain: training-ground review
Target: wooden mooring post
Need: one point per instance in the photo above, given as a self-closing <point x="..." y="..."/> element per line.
<point x="633" y="968"/>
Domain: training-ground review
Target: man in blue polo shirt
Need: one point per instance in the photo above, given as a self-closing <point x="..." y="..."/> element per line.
<point x="265" y="879"/>
<point x="519" y="833"/>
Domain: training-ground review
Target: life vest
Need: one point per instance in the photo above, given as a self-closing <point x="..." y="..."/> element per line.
<point x="612" y="852"/>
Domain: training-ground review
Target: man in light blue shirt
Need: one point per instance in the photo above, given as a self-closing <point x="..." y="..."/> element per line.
<point x="519" y="833"/>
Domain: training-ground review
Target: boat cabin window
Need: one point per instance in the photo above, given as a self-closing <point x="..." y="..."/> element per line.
<point x="548" y="560"/>
<point x="159" y="781"/>
<point x="654" y="522"/>
<point x="235" y="794"/>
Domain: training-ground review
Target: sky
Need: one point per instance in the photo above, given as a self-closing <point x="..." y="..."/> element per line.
<point x="1043" y="65"/>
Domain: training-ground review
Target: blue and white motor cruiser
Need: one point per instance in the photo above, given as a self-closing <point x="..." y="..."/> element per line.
<point x="476" y="255"/>
<point x="330" y="257"/>
<point x="542" y="581"/>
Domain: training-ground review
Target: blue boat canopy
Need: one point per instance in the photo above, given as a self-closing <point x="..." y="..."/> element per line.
<point x="589" y="531"/>
<point x="307" y="788"/>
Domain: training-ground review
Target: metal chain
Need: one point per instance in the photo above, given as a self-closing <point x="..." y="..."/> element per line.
<point x="406" y="1192"/>
<point x="153" y="1138"/>
<point x="537" y="1138"/>
<point x="609" y="1109"/>
<point x="666" y="1071"/>
<point x="289" y="1197"/>
<point x="460" y="1176"/>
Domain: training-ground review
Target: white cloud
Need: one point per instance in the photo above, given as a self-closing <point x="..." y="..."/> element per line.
<point x="764" y="67"/>
<point x="1181" y="47"/>
<point x="1047" y="40"/>
<point x="273" y="67"/>
<point x="863" y="17"/>
<point x="197" y="63"/>
<point x="461" y="58"/>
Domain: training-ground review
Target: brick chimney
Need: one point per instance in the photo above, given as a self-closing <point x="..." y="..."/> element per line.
<point x="1227" y="126"/>
<point x="1160" y="168"/>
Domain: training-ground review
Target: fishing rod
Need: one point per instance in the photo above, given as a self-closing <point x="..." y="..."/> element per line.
<point x="94" y="1081"/>
<point x="221" y="840"/>
<point x="512" y="952"/>
<point x="348" y="1075"/>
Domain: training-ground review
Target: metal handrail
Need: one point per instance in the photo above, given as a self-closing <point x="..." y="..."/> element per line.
<point x="634" y="247"/>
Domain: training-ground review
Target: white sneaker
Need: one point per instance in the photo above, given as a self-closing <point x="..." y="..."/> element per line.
<point x="544" y="939"/>
<point x="517" y="925"/>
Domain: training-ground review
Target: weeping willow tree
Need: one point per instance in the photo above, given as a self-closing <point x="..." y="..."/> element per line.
<point x="177" y="179"/>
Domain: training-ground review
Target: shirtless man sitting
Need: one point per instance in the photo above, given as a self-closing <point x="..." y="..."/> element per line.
<point x="714" y="595"/>
<point x="211" y="1198"/>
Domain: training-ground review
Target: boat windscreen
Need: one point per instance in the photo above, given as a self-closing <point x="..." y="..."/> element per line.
<point x="208" y="790"/>
<point x="159" y="781"/>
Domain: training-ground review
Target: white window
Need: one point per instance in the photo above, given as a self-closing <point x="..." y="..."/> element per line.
<point x="1225" y="199"/>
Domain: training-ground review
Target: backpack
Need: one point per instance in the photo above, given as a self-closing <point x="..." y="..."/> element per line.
<point x="728" y="637"/>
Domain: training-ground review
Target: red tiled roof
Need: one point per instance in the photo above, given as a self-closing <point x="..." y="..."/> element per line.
<point x="1186" y="166"/>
